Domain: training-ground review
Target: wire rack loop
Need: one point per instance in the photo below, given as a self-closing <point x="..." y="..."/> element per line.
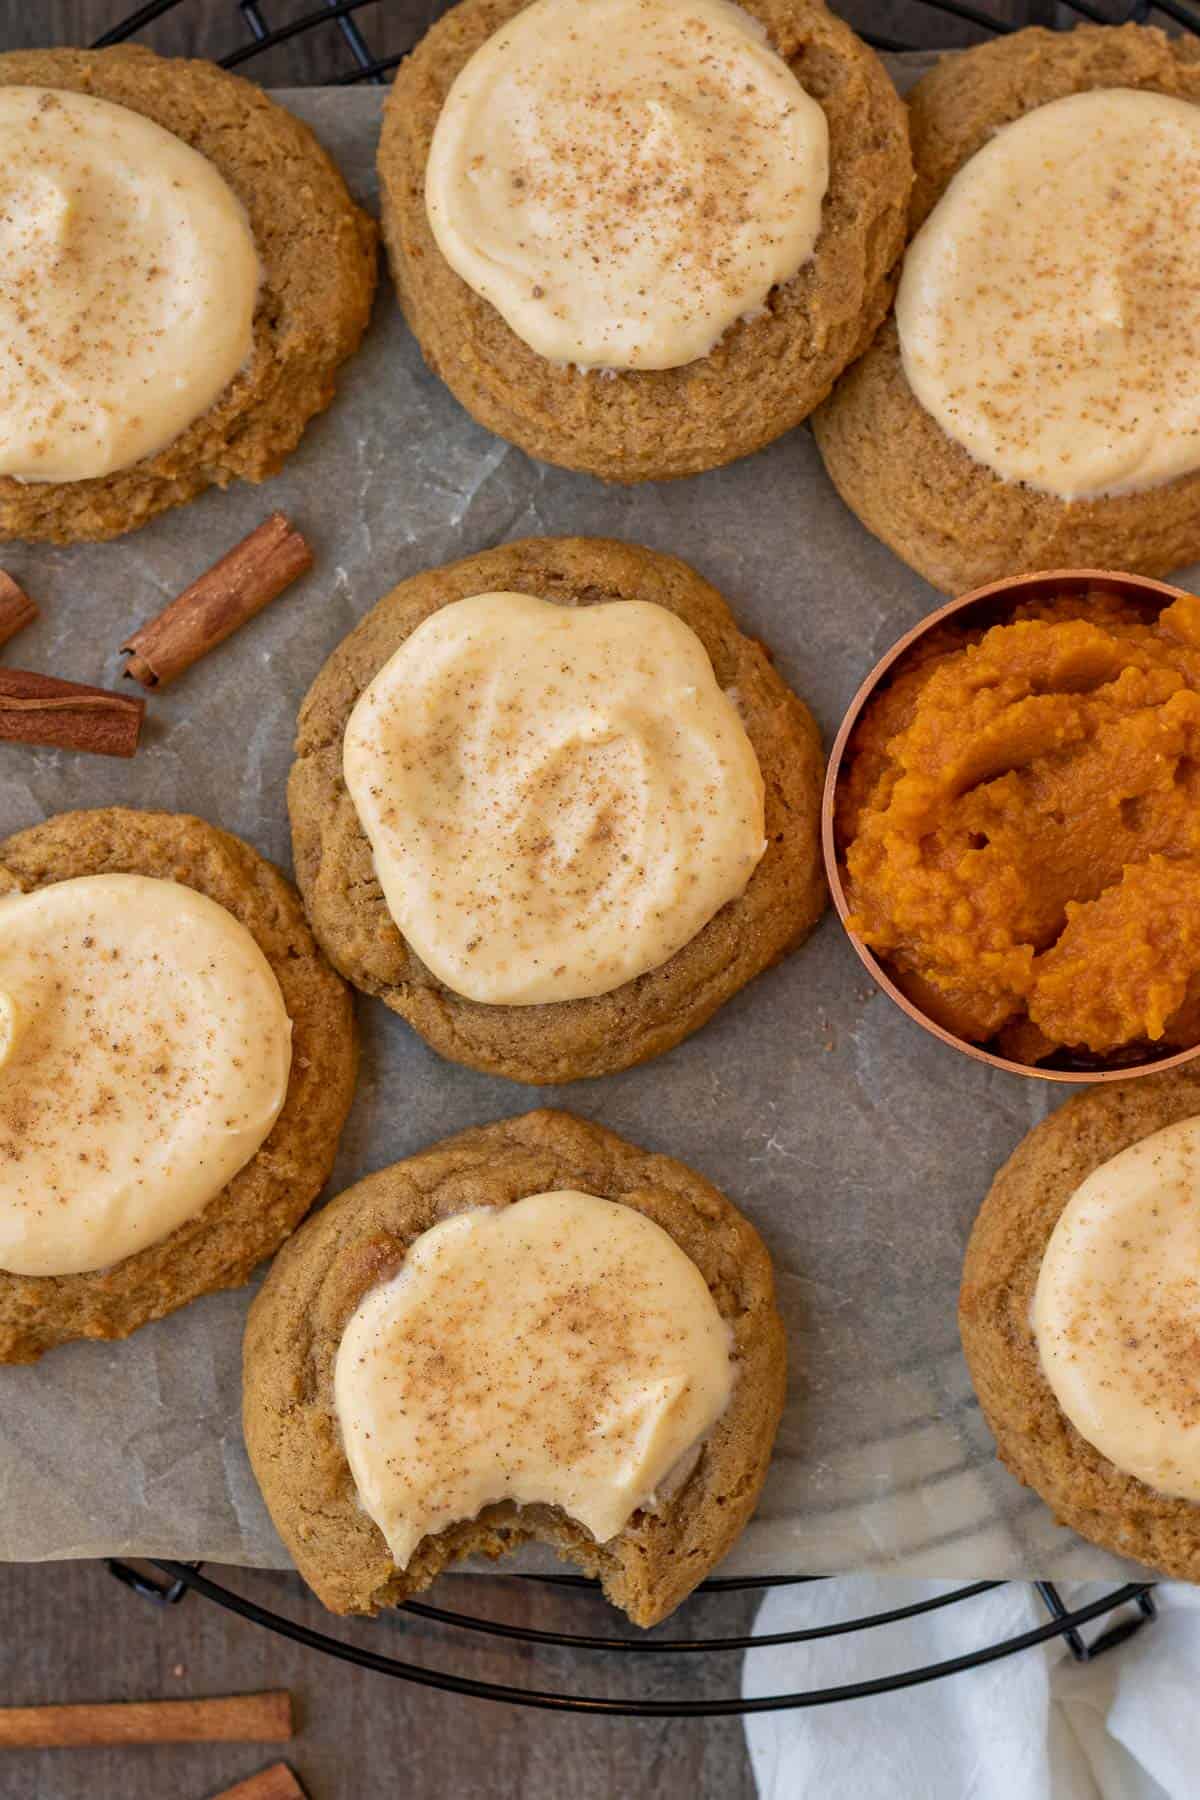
<point x="1133" y="1600"/>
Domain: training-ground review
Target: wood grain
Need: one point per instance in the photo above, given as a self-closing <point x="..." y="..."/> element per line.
<point x="70" y="1630"/>
<point x="233" y="1718"/>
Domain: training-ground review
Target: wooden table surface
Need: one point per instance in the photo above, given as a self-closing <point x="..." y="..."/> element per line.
<point x="70" y="1632"/>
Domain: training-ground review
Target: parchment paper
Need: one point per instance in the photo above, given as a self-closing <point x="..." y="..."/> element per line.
<point x="860" y="1148"/>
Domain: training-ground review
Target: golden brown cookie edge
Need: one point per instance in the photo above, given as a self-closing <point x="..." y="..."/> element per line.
<point x="260" y="417"/>
<point x="911" y="485"/>
<point x="268" y="1197"/>
<point x="568" y="1040"/>
<point x="1034" y="1438"/>
<point x="360" y="1238"/>
<point x="726" y="405"/>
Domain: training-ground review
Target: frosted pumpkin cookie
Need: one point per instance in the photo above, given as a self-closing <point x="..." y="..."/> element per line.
<point x="553" y="808"/>
<point x="533" y="1330"/>
<point x="1034" y="403"/>
<point x="176" y="1063"/>
<point x="1080" y="1315"/>
<point x="182" y="271"/>
<point x="642" y="237"/>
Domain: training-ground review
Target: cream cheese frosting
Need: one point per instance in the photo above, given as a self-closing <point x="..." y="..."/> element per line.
<point x="128" y="281"/>
<point x="144" y="1057"/>
<point x="562" y="1350"/>
<point x="1117" y="1310"/>
<point x="624" y="179"/>
<point x="1049" y="307"/>
<point x="558" y="798"/>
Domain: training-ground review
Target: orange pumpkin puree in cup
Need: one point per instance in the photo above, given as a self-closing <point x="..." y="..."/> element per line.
<point x="1020" y="828"/>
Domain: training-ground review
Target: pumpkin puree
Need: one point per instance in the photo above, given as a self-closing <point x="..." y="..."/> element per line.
<point x="1020" y="828"/>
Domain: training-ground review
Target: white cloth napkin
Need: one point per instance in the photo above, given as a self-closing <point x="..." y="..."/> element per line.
<point x="1035" y="1726"/>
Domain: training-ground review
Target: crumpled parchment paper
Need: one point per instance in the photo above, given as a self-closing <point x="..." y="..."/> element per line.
<point x="860" y="1148"/>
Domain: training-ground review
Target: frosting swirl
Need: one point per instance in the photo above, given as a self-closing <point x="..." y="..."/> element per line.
<point x="128" y="281"/>
<point x="562" y="1350"/>
<point x="1049" y="307"/>
<point x="558" y="798"/>
<point x="1117" y="1310"/>
<point x="624" y="179"/>
<point x="144" y="1057"/>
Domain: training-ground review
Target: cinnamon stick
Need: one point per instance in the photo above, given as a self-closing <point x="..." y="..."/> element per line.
<point x="275" y="1783"/>
<point x="16" y="608"/>
<point x="223" y="598"/>
<point x="65" y="715"/>
<point x="234" y="1718"/>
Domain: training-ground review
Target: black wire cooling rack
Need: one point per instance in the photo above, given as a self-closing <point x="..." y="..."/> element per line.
<point x="355" y="48"/>
<point x="1126" y="1608"/>
<point x="260" y="26"/>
